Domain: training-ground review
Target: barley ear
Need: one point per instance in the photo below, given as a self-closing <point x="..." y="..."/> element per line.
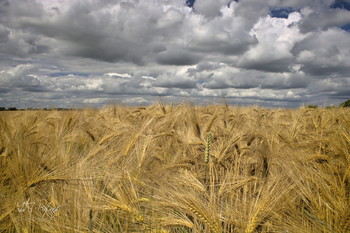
<point x="204" y="218"/>
<point x="345" y="226"/>
<point x="131" y="144"/>
<point x="207" y="129"/>
<point x="207" y="148"/>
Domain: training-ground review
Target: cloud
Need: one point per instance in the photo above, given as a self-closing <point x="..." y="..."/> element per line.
<point x="177" y="56"/>
<point x="276" y="38"/>
<point x="104" y="30"/>
<point x="20" y="44"/>
<point x="94" y="52"/>
<point x="323" y="18"/>
<point x="228" y="77"/>
<point x="245" y="8"/>
<point x="227" y="35"/>
<point x="285" y="81"/>
<point x="209" y="8"/>
<point x="20" y="78"/>
<point x="318" y="56"/>
<point x="4" y="34"/>
<point x="179" y="79"/>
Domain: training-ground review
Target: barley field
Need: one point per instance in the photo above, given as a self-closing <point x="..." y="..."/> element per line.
<point x="175" y="169"/>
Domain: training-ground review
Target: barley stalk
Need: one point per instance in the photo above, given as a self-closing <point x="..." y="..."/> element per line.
<point x="106" y="138"/>
<point x="205" y="219"/>
<point x="207" y="129"/>
<point x="46" y="179"/>
<point x="131" y="144"/>
<point x="251" y="225"/>
<point x="345" y="227"/>
<point x="136" y="137"/>
<point x="207" y="148"/>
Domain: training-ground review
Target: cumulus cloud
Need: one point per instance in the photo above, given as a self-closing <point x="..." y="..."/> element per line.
<point x="320" y="57"/>
<point x="276" y="37"/>
<point x="179" y="79"/>
<point x="228" y="35"/>
<point x="20" y="78"/>
<point x="94" y="52"/>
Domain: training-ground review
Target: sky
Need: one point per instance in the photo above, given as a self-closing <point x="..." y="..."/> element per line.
<point x="78" y="53"/>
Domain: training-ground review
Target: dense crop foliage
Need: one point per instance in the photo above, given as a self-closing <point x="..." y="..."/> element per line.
<point x="175" y="169"/>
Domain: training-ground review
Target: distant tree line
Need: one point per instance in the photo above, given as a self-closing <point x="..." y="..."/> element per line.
<point x="8" y="109"/>
<point x="30" y="109"/>
<point x="345" y="104"/>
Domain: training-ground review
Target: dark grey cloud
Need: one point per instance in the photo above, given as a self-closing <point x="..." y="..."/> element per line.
<point x="324" y="53"/>
<point x="271" y="65"/>
<point x="89" y="30"/>
<point x="3" y="4"/>
<point x="178" y="57"/>
<point x="330" y="90"/>
<point x="342" y="94"/>
<point x="84" y="35"/>
<point x="176" y="83"/>
<point x="315" y="69"/>
<point x="227" y="78"/>
<point x="225" y="84"/>
<point x="251" y="10"/>
<point x="285" y="81"/>
<point x="323" y="18"/>
<point x="19" y="44"/>
<point x="226" y="45"/>
<point x="4" y="34"/>
<point x="209" y="8"/>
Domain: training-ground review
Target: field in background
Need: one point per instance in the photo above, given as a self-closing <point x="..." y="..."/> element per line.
<point x="175" y="169"/>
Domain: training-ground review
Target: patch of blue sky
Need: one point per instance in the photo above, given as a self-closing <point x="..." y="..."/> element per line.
<point x="341" y="4"/>
<point x="201" y="82"/>
<point x="190" y="3"/>
<point x="281" y="12"/>
<point x="346" y="27"/>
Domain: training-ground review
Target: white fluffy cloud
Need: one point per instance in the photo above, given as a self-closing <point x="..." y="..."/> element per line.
<point x="276" y="38"/>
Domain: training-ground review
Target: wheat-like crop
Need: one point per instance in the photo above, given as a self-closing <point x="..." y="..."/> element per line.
<point x="175" y="168"/>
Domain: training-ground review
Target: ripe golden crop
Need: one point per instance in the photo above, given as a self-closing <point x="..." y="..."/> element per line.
<point x="175" y="169"/>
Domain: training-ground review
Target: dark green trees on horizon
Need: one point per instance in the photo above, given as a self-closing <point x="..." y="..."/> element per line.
<point x="345" y="104"/>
